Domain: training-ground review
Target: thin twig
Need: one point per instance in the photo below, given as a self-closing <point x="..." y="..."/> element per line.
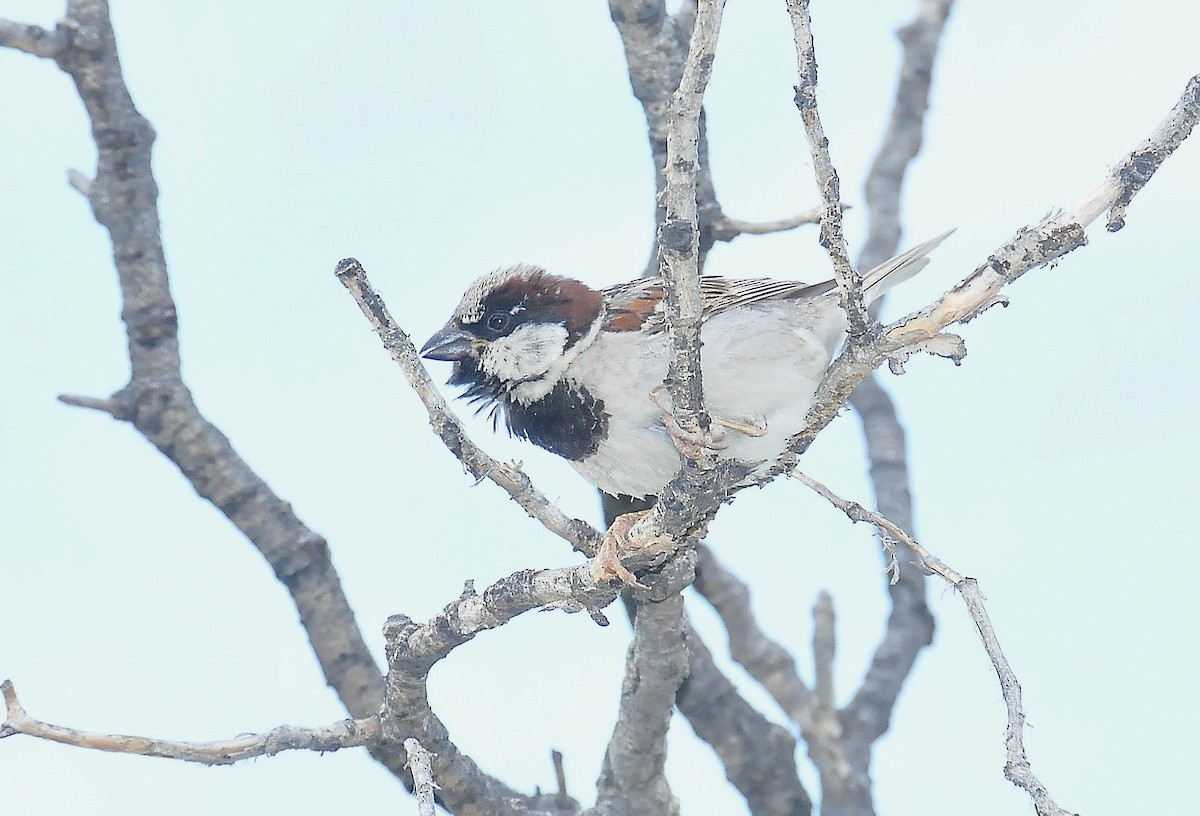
<point x="1031" y="247"/>
<point x="832" y="238"/>
<point x="104" y="406"/>
<point x="422" y="773"/>
<point x="1017" y="768"/>
<point x="726" y="228"/>
<point x="560" y="774"/>
<point x="334" y="737"/>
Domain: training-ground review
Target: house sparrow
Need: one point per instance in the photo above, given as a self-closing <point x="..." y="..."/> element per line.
<point x="579" y="371"/>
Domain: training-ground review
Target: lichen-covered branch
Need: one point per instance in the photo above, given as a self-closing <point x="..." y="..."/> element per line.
<point x="335" y="737"/>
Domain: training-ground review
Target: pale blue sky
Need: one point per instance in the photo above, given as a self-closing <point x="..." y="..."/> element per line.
<point x="437" y="141"/>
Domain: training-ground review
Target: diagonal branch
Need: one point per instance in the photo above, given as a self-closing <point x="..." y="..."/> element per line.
<point x="759" y="756"/>
<point x="848" y="280"/>
<point x="123" y="197"/>
<point x="1032" y="246"/>
<point x="344" y="734"/>
<point x="763" y="659"/>
<point x="773" y="667"/>
<point x="512" y="479"/>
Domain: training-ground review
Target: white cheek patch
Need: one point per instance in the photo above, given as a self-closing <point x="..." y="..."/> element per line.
<point x="530" y="351"/>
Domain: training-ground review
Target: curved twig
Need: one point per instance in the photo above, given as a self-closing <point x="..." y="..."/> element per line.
<point x="413" y="649"/>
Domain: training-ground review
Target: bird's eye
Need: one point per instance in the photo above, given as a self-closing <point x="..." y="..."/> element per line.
<point x="497" y="322"/>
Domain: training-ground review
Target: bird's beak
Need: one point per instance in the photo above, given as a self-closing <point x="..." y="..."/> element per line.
<point x="451" y="344"/>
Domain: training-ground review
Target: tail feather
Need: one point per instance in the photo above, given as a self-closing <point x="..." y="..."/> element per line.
<point x="879" y="280"/>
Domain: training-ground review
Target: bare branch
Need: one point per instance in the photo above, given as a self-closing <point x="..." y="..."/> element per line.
<point x="1017" y="768"/>
<point x="764" y="659"/>
<point x="632" y="779"/>
<point x="512" y="479"/>
<point x="1031" y="247"/>
<point x="413" y="649"/>
<point x="902" y="140"/>
<point x="679" y="233"/>
<point x="123" y="197"/>
<point x="334" y="737"/>
<point x="824" y="648"/>
<point x="422" y="773"/>
<point x="1132" y="174"/>
<point x="814" y="711"/>
<point x="656" y="44"/>
<point x="560" y="773"/>
<point x="759" y="756"/>
<point x="848" y="280"/>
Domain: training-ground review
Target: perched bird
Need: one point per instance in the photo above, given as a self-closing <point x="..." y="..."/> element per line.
<point x="579" y="371"/>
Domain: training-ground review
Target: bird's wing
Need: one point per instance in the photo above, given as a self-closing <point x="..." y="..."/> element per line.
<point x="638" y="305"/>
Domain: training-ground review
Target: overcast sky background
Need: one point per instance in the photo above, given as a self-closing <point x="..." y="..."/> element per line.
<point x="437" y="141"/>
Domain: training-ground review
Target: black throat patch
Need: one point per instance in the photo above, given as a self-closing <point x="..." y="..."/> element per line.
<point x="568" y="421"/>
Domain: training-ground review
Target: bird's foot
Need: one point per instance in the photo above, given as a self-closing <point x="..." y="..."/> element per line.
<point x="694" y="445"/>
<point x="607" y="565"/>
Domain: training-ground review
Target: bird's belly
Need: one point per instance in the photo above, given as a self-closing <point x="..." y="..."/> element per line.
<point x="760" y="373"/>
<point x="632" y="461"/>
